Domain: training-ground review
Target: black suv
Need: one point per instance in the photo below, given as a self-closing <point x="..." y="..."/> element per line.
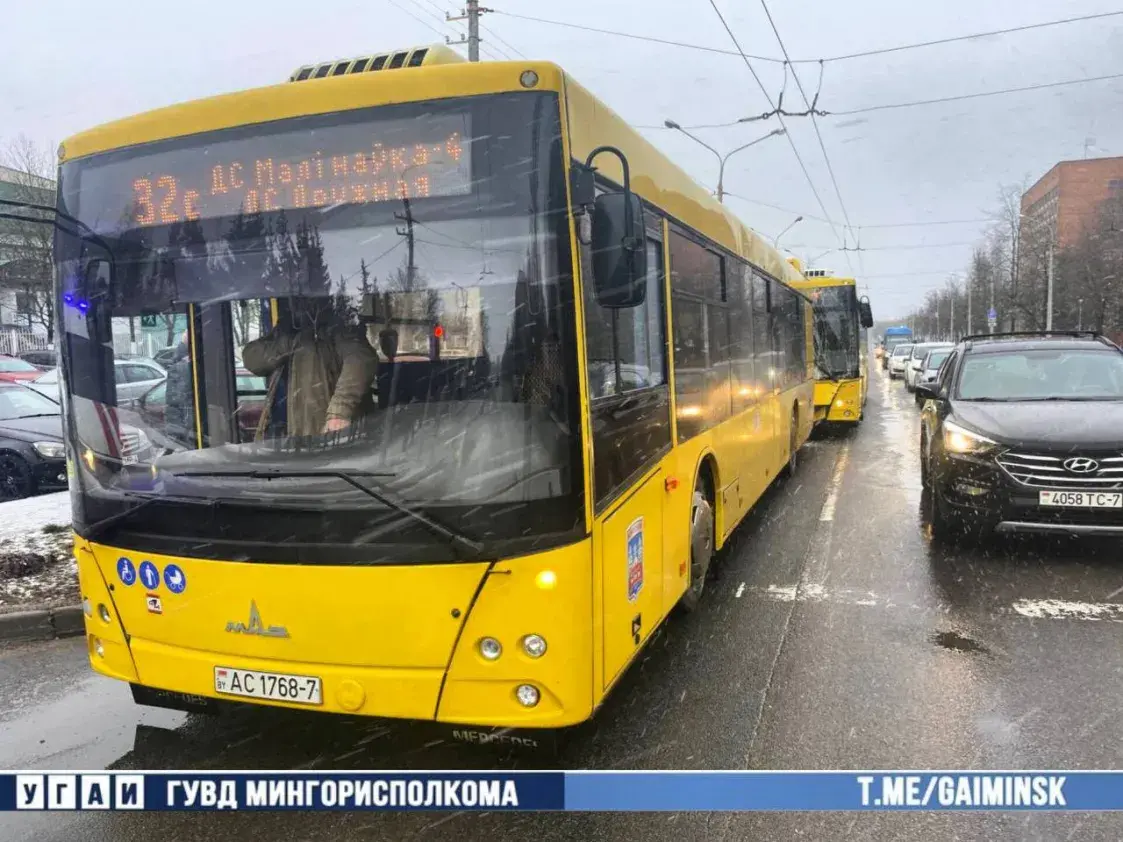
<point x="1023" y="432"/>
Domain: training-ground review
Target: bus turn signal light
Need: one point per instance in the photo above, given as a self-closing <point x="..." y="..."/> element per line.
<point x="670" y="483"/>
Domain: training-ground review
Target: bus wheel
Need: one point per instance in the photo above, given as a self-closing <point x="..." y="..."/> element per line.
<point x="793" y="446"/>
<point x="701" y="545"/>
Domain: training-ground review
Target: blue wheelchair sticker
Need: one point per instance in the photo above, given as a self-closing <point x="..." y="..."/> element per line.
<point x="125" y="571"/>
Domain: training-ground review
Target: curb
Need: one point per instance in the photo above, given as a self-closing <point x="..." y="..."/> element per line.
<point x="42" y="624"/>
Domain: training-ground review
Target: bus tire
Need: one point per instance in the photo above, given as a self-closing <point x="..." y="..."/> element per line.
<point x="701" y="543"/>
<point x="793" y="445"/>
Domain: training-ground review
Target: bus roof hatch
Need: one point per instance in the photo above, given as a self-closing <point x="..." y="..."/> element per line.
<point x="410" y="57"/>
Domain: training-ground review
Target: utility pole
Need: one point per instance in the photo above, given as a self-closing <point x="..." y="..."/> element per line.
<point x="951" y="306"/>
<point x="970" y="283"/>
<point x="470" y="13"/>
<point x="1049" y="291"/>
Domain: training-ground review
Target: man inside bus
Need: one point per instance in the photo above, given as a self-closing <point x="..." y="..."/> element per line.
<point x="179" y="395"/>
<point x="329" y="368"/>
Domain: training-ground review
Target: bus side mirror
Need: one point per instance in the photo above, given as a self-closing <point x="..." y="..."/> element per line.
<point x="865" y="313"/>
<point x="619" y="256"/>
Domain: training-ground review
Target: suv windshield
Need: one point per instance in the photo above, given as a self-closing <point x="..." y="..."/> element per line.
<point x="902" y="350"/>
<point x="384" y="294"/>
<point x="1045" y="374"/>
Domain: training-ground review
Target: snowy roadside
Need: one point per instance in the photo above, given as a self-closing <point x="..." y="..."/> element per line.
<point x="37" y="568"/>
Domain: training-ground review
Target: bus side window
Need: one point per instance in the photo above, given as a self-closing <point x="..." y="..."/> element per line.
<point x="630" y="413"/>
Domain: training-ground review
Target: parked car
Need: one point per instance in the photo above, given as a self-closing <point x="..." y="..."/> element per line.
<point x="165" y="356"/>
<point x="43" y="359"/>
<point x="1024" y="433"/>
<point x="135" y="376"/>
<point x="930" y="369"/>
<point x="15" y="370"/>
<point x="897" y="359"/>
<point x="32" y="450"/>
<point x="152" y="406"/>
<point x="916" y="360"/>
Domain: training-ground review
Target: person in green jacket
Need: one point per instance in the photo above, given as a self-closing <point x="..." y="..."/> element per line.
<point x="330" y="368"/>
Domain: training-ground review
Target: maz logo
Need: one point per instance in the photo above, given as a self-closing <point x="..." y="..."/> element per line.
<point x="256" y="626"/>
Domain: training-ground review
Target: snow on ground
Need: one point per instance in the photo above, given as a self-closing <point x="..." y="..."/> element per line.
<point x="37" y="568"/>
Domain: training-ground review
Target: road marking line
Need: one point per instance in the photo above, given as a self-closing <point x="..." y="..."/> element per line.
<point x="740" y="591"/>
<point x="1033" y="609"/>
<point x="827" y="512"/>
<point x="1060" y="609"/>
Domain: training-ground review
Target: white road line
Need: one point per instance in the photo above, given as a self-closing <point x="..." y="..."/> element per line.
<point x="1060" y="609"/>
<point x="827" y="512"/>
<point x="1034" y="609"/>
<point x="740" y="591"/>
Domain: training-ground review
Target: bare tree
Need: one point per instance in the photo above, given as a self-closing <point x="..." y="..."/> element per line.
<point x="26" y="245"/>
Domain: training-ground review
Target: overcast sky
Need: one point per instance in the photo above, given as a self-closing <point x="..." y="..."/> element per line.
<point x="70" y="65"/>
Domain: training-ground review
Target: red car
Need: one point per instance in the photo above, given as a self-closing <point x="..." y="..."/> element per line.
<point x="15" y="370"/>
<point x="153" y="405"/>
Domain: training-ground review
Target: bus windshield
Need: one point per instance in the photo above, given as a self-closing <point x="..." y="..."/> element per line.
<point x="374" y="332"/>
<point x="836" y="331"/>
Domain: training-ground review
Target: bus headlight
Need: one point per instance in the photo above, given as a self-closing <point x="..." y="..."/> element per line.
<point x="103" y="612"/>
<point x="490" y="648"/>
<point x="527" y="694"/>
<point x="534" y="645"/>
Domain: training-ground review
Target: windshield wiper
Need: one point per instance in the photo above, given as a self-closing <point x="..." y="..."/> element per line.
<point x="97" y="529"/>
<point x="36" y="415"/>
<point x="349" y="477"/>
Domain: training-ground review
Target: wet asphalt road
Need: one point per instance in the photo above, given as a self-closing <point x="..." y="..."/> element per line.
<point x="834" y="635"/>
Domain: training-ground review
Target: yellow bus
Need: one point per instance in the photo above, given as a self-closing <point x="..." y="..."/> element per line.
<point x="842" y="320"/>
<point x="473" y="382"/>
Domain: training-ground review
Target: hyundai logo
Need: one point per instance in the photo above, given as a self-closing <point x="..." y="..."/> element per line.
<point x="1081" y="465"/>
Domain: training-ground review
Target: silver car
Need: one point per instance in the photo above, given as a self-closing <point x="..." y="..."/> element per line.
<point x="134" y="376"/>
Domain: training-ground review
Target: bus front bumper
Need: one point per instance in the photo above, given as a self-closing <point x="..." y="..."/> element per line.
<point x="462" y="687"/>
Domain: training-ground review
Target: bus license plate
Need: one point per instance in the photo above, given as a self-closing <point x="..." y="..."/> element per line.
<point x="1083" y="499"/>
<point x="276" y="686"/>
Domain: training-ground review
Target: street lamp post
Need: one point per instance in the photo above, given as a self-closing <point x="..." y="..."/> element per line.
<point x="671" y="124"/>
<point x="793" y="224"/>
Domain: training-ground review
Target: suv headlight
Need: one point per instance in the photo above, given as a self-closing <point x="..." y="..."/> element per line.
<point x="50" y="449"/>
<point x="959" y="439"/>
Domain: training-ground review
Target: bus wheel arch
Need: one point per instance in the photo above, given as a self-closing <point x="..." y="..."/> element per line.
<point x="703" y="517"/>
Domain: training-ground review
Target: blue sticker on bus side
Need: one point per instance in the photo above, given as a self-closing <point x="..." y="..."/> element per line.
<point x="125" y="571"/>
<point x="174" y="578"/>
<point x="635" y="558"/>
<point x="149" y="575"/>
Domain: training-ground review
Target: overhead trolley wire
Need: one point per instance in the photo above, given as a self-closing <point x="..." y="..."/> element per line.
<point x="846" y="57"/>
<point x="787" y="134"/>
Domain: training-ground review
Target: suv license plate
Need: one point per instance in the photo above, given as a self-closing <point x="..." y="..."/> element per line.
<point x="276" y="686"/>
<point x="1082" y="499"/>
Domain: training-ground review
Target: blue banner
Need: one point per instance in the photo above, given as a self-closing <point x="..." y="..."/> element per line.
<point x="582" y="791"/>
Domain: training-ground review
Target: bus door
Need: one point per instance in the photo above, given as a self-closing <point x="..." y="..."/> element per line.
<point x="629" y="411"/>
